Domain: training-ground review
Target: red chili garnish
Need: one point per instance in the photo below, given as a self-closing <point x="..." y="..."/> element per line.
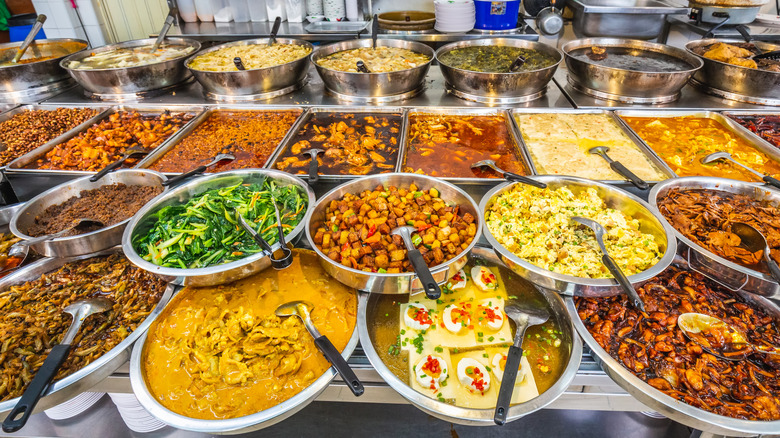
<point x="459" y="315"/>
<point x="457" y="277"/>
<point x="371" y="230"/>
<point x="488" y="278"/>
<point x="419" y="315"/>
<point x="432" y="367"/>
<point x="491" y="314"/>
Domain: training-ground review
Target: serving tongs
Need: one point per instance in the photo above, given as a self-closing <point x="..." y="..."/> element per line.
<point x="200" y="169"/>
<point x="134" y="152"/>
<point x="619" y="168"/>
<point x="727" y="156"/>
<point x="277" y="263"/>
<point x="509" y="176"/>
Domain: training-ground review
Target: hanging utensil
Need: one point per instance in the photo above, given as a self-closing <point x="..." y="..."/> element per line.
<point x="302" y="310"/>
<point x="200" y="169"/>
<point x="79" y="310"/>
<point x="164" y="31"/>
<point x="374" y="31"/>
<point x="613" y="268"/>
<point x="314" y="173"/>
<point x="619" y="168"/>
<point x="134" y="152"/>
<point x="524" y="315"/>
<point x="239" y="63"/>
<point x="277" y="263"/>
<point x="274" y="31"/>
<point x="720" y="338"/>
<point x="754" y="241"/>
<point x="431" y="288"/>
<point x="30" y="38"/>
<point x="509" y="176"/>
<point x="727" y="156"/>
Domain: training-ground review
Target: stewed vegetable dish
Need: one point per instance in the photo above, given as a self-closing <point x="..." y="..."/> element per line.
<point x="495" y="59"/>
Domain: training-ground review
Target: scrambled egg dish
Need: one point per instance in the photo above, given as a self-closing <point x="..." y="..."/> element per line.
<point x="535" y="225"/>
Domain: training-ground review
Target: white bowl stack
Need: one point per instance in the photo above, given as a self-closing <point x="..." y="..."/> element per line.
<point x="74" y="406"/>
<point x="135" y="416"/>
<point x="454" y="15"/>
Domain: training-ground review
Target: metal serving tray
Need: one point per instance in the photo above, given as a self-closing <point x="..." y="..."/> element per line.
<point x="336" y="26"/>
<point x="290" y="140"/>
<point x="195" y="123"/>
<point x="641" y="19"/>
<point x="727" y="123"/>
<point x="649" y="153"/>
<point x="85" y="378"/>
<point x="20" y="164"/>
<point x="756" y="112"/>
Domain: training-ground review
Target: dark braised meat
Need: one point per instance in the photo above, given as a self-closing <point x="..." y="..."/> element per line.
<point x="768" y="127"/>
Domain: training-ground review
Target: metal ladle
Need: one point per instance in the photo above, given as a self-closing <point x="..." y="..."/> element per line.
<point x="79" y="310"/>
<point x="619" y="167"/>
<point x="166" y="27"/>
<point x="302" y="309"/>
<point x="274" y="31"/>
<point x="727" y="156"/>
<point x="509" y="176"/>
<point x="314" y="173"/>
<point x="524" y="315"/>
<point x="277" y="263"/>
<point x="693" y="324"/>
<point x="431" y="288"/>
<point x="134" y="152"/>
<point x="613" y="268"/>
<point x="30" y="38"/>
<point x="199" y="169"/>
<point x="754" y="241"/>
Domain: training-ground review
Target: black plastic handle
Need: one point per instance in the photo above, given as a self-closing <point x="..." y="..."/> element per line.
<point x="524" y="179"/>
<point x="361" y="67"/>
<point x="745" y="32"/>
<point x="13" y="422"/>
<point x="511" y="367"/>
<point x="774" y="270"/>
<point x="314" y="173"/>
<point x="774" y="182"/>
<point x="275" y="28"/>
<point x="183" y="176"/>
<point x="432" y="290"/>
<point x="517" y="63"/>
<point x="106" y="170"/>
<point x="629" y="175"/>
<point x="338" y="362"/>
<point x="374" y="30"/>
<point x="622" y="280"/>
<point x="239" y="63"/>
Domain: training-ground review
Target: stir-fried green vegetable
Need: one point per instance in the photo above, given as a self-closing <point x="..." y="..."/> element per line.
<point x="205" y="231"/>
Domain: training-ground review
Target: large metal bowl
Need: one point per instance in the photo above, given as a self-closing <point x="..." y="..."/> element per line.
<point x="628" y="85"/>
<point x="373" y="84"/>
<point x="255" y="81"/>
<point x="729" y="274"/>
<point x="499" y="85"/>
<point x="83" y="243"/>
<point x="87" y="377"/>
<point x="613" y="197"/>
<point x="126" y="80"/>
<point x="477" y="417"/>
<point x="733" y="78"/>
<point x="145" y="219"/>
<point x="405" y="282"/>
<point x="36" y="74"/>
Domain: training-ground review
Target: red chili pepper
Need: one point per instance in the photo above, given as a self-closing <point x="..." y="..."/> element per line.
<point x="345" y="247"/>
<point x="371" y="230"/>
<point x="423" y="228"/>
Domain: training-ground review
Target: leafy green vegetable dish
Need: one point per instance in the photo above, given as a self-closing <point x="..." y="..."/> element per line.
<point x="495" y="59"/>
<point x="205" y="231"/>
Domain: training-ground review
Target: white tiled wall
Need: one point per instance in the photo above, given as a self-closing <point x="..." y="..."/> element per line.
<point x="63" y="20"/>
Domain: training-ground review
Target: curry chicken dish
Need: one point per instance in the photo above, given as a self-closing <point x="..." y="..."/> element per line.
<point x="221" y="352"/>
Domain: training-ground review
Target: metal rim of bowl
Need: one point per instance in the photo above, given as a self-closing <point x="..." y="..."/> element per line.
<point x="13" y="224"/>
<point x="254" y="41"/>
<point x="506" y="42"/>
<point x="130" y="44"/>
<point x="46" y="41"/>
<point x="602" y="283"/>
<point x="59" y="386"/>
<point x="411" y="179"/>
<point x="461" y="415"/>
<point x="630" y="43"/>
<point x="414" y="46"/>
<point x="703" y="42"/>
<point x="132" y="254"/>
<point x="718" y="184"/>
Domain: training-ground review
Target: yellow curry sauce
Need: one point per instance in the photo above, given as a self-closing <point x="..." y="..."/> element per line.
<point x="683" y="141"/>
<point x="220" y="352"/>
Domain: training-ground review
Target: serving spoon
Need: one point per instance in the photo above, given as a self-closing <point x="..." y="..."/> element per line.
<point x="431" y="288"/>
<point x="302" y="309"/>
<point x="509" y="176"/>
<point x="694" y="324"/>
<point x="727" y="156"/>
<point x="314" y="173"/>
<point x="164" y="31"/>
<point x="618" y="167"/>
<point x="274" y="31"/>
<point x="134" y="152"/>
<point x="79" y="310"/>
<point x="524" y="315"/>
<point x="754" y="241"/>
<point x="200" y="169"/>
<point x="613" y="268"/>
<point x="29" y="38"/>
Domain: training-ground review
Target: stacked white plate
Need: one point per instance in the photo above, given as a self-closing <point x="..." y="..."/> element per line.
<point x="454" y="15"/>
<point x="135" y="416"/>
<point x="74" y="406"/>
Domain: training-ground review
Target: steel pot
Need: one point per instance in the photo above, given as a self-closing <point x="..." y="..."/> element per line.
<point x="21" y="77"/>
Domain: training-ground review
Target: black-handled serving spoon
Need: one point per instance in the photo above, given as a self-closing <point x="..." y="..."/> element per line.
<point x="200" y="169"/>
<point x="509" y="176"/>
<point x="314" y="173"/>
<point x="134" y="152"/>
<point x="431" y="288"/>
<point x="727" y="156"/>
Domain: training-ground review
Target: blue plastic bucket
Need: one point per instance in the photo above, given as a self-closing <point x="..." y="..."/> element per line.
<point x="496" y="15"/>
<point x="20" y="25"/>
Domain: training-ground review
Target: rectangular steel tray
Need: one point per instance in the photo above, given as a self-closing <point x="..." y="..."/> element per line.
<point x="290" y="140"/>
<point x="336" y="26"/>
<point x="649" y="153"/>
<point x="18" y="165"/>
<point x="175" y="139"/>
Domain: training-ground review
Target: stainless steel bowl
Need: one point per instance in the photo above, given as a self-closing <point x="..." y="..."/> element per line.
<point x="125" y="80"/>
<point x="588" y="287"/>
<point x="406" y="282"/>
<point x="21" y="77"/>
<point x="628" y="85"/>
<point x="6" y="214"/>
<point x="145" y="219"/>
<point x="83" y="243"/>
<point x="476" y="417"/>
<point x="82" y="380"/>
<point x="255" y="81"/>
<point x="733" y="78"/>
<point x="499" y="85"/>
<point x="723" y="271"/>
<point x="655" y="400"/>
<point x="373" y="84"/>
